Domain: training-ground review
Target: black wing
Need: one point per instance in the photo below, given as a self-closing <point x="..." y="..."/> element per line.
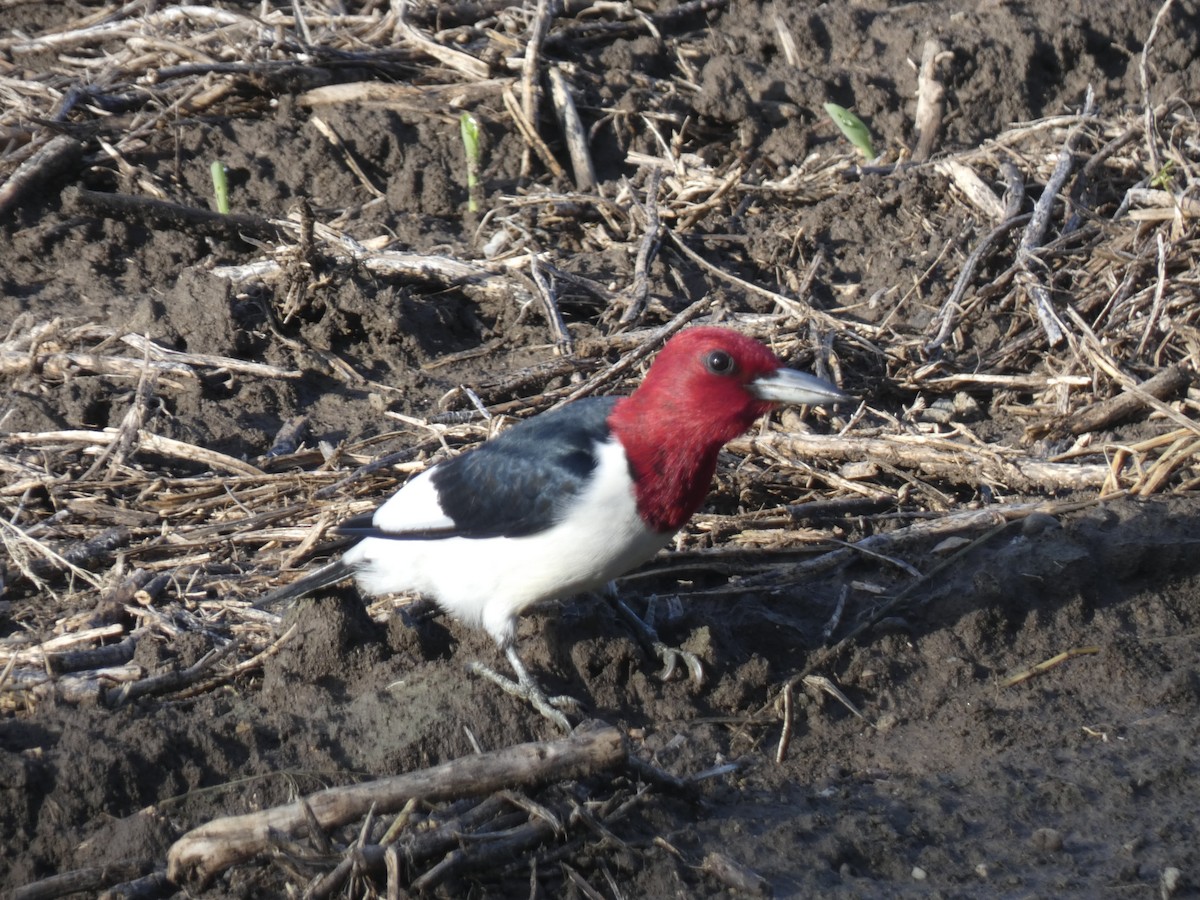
<point x="517" y="484"/>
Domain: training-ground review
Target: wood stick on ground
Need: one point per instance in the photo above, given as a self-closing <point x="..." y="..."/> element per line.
<point x="742" y="879"/>
<point x="79" y="880"/>
<point x="785" y="732"/>
<point x="1156" y="475"/>
<point x="474" y="280"/>
<point x="1099" y="355"/>
<point x="948" y="314"/>
<point x="1031" y="382"/>
<point x="58" y="154"/>
<point x="477" y="281"/>
<point x="787" y="43"/>
<point x="515" y="843"/>
<point x="581" y="884"/>
<point x="573" y="131"/>
<point x="466" y="65"/>
<point x="1048" y="664"/>
<point x="529" y="132"/>
<point x="171" y="216"/>
<point x="973" y="188"/>
<point x="106" y="656"/>
<point x="335" y="879"/>
<point x="206" y="851"/>
<point x="114" y="455"/>
<point x="1160" y="289"/>
<point x="1051" y="324"/>
<point x="170" y="681"/>
<point x="79" y="687"/>
<point x="436" y="837"/>
<point x="64" y="365"/>
<point x="146" y="440"/>
<point x="160" y="21"/>
<point x="1166" y="383"/>
<point x="531" y="91"/>
<point x="931" y="99"/>
<point x="1144" y="74"/>
<point x="639" y="291"/>
<point x="931" y="456"/>
<point x="207" y="360"/>
<point x="563" y="341"/>
<point x="433" y="100"/>
<point x="61" y="646"/>
<point x="1014" y="188"/>
<point x="50" y="560"/>
<point x="1035" y="232"/>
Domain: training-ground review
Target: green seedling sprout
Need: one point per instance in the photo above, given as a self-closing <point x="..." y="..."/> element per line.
<point x="220" y="187"/>
<point x="470" y="139"/>
<point x="1163" y="178"/>
<point x="853" y="128"/>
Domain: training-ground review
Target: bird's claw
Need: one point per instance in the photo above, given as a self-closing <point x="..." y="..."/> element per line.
<point x="525" y="688"/>
<point x="671" y="657"/>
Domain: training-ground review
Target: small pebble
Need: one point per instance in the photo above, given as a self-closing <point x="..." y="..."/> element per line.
<point x="1172" y="881"/>
<point x="919" y="874"/>
<point x="966" y="407"/>
<point x="1035" y="523"/>
<point x="887" y="722"/>
<point x="1047" y="840"/>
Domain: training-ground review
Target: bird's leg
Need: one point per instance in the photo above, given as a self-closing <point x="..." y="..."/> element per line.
<point x="526" y="688"/>
<point x="670" y="656"/>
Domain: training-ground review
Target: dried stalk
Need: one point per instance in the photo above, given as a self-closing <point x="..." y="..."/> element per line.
<point x="207" y="851"/>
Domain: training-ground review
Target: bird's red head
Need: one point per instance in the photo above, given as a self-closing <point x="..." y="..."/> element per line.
<point x="706" y="387"/>
<point x="700" y="381"/>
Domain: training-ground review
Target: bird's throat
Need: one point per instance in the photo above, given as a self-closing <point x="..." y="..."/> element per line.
<point x="670" y="485"/>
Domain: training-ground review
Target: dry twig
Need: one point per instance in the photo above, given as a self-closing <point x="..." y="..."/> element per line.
<point x="210" y="849"/>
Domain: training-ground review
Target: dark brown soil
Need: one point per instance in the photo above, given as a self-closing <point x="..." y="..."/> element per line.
<point x="1083" y="780"/>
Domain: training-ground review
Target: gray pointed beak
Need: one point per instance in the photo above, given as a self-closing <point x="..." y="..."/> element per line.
<point x="790" y="386"/>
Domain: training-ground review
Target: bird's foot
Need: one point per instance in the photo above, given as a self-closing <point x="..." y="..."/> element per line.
<point x="671" y="657"/>
<point x="526" y="688"/>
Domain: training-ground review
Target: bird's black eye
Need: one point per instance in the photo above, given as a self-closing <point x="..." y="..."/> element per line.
<point x="719" y="362"/>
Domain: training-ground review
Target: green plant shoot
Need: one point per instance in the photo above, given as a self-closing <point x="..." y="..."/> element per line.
<point x="1163" y="178"/>
<point x="470" y="139"/>
<point x="220" y="187"/>
<point x="853" y="128"/>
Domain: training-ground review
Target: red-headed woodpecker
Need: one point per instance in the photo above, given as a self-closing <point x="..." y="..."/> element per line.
<point x="567" y="501"/>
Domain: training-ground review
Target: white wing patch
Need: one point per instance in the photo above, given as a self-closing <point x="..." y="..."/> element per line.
<point x="414" y="507"/>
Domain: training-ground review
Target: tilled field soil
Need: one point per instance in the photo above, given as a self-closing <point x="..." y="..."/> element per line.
<point x="1016" y="635"/>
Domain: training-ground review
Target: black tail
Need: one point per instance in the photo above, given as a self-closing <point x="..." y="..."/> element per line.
<point x="326" y="576"/>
